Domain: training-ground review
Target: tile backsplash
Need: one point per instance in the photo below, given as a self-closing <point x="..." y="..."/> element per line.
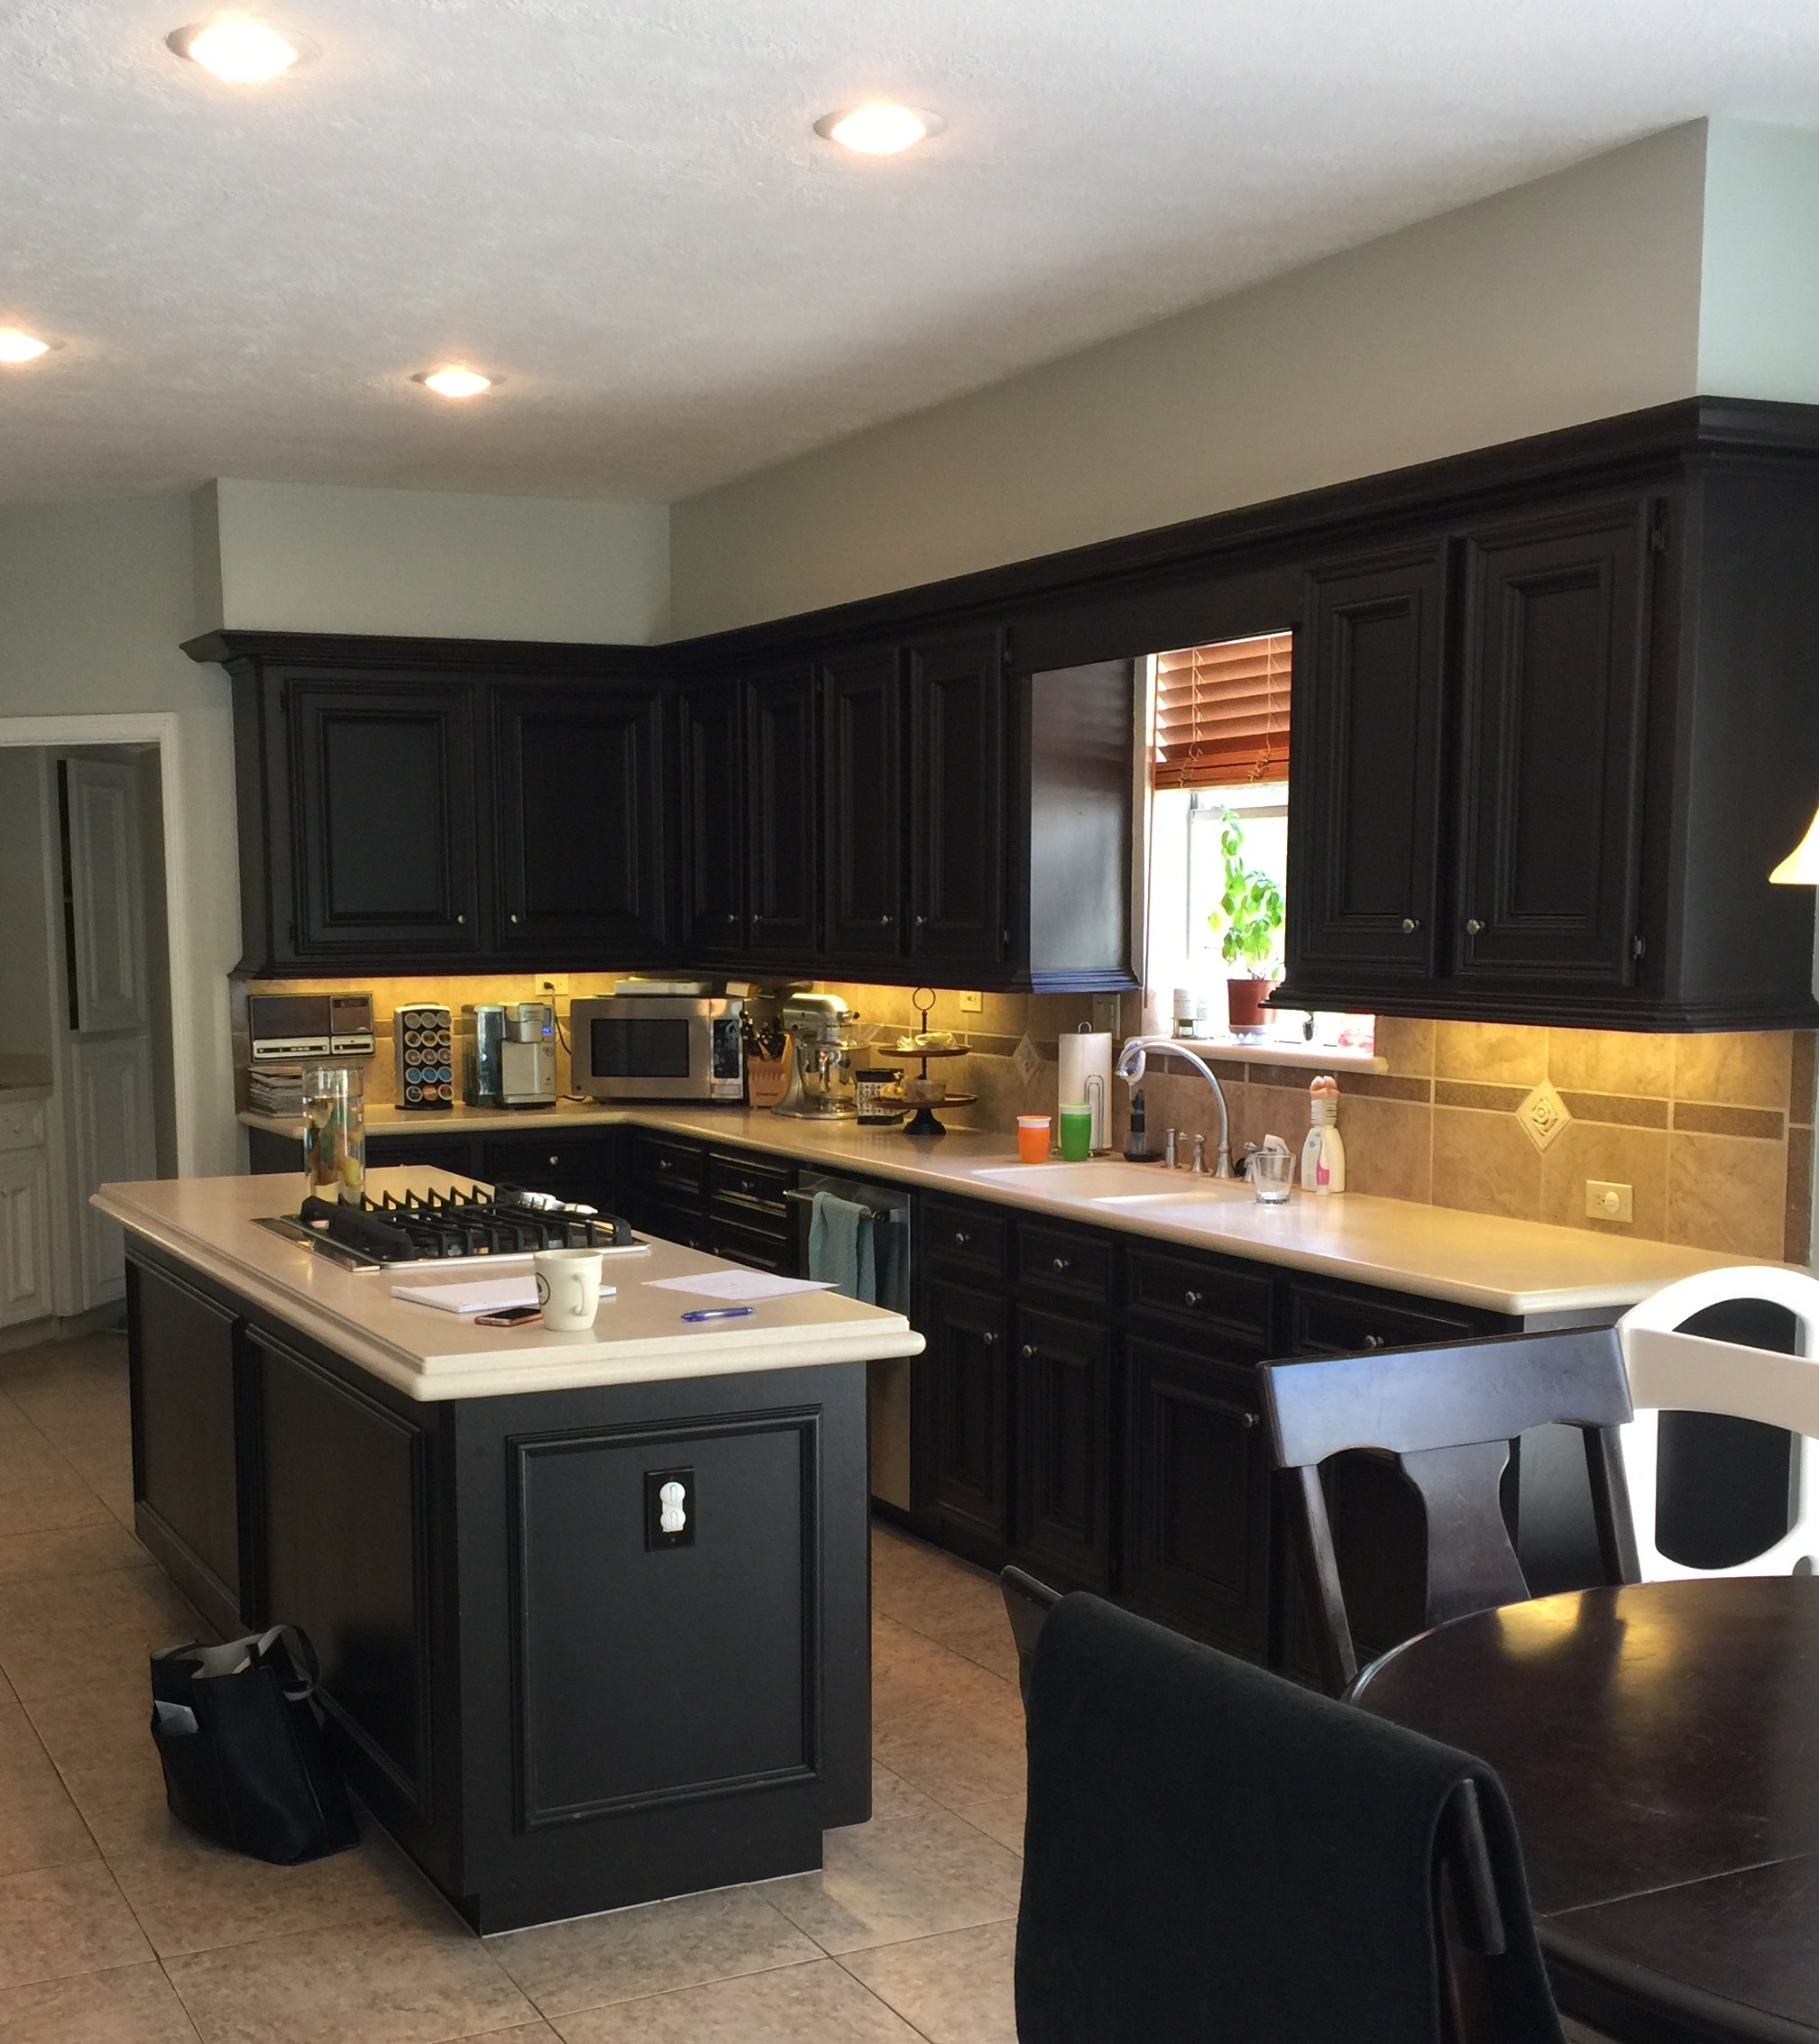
<point x="1713" y="1133"/>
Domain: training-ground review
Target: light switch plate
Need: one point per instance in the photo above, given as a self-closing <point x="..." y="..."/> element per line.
<point x="1105" y="1013"/>
<point x="972" y="1003"/>
<point x="1606" y="1202"/>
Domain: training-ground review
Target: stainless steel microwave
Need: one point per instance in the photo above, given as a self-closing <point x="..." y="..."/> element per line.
<point x="656" y="1047"/>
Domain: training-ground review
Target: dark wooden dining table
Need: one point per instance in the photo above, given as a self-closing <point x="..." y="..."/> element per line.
<point x="1661" y="1747"/>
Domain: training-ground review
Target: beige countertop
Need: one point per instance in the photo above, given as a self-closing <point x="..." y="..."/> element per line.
<point x="1513" y="1267"/>
<point x="638" y="1335"/>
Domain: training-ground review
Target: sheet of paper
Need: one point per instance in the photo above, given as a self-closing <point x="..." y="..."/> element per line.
<point x="742" y="1285"/>
<point x="477" y="1295"/>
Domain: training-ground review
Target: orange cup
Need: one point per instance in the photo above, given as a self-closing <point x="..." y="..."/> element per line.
<point x="1033" y="1138"/>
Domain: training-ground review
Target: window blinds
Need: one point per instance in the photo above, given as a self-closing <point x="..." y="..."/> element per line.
<point x="1222" y="713"/>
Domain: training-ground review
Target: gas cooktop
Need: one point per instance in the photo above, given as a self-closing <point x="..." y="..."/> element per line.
<point x="449" y="1227"/>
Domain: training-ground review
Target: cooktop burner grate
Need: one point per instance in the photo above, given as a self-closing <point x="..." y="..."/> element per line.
<point x="449" y="1227"/>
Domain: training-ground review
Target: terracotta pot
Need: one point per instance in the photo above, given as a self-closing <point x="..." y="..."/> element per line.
<point x="1244" y="1000"/>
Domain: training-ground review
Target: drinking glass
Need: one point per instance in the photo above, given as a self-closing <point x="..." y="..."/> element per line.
<point x="1077" y="1130"/>
<point x="1272" y="1173"/>
<point x="334" y="1133"/>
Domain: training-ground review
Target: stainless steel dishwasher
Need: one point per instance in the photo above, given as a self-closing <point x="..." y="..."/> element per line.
<point x="889" y="1381"/>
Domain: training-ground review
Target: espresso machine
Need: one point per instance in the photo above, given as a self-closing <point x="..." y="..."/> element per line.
<point x="820" y="1080"/>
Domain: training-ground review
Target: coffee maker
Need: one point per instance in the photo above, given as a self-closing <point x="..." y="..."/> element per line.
<point x="527" y="1055"/>
<point x="820" y="1080"/>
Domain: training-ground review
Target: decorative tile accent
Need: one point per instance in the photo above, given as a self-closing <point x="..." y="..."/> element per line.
<point x="1543" y="1115"/>
<point x="1702" y="1119"/>
<point x="1469" y="1093"/>
<point x="1633" y="1113"/>
<point x="1796" y="1240"/>
<point x="1801" y="1077"/>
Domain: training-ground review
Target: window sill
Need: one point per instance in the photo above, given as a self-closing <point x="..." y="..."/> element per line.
<point x="1267" y="1050"/>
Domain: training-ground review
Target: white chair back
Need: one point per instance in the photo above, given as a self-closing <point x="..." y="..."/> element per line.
<point x="1671" y="1371"/>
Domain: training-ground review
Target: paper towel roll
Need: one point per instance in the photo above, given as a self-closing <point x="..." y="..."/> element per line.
<point x="1086" y="1074"/>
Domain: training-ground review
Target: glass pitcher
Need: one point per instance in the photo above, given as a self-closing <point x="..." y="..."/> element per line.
<point x="334" y="1133"/>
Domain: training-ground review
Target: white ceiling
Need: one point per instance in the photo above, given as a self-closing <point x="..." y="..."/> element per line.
<point x="621" y="208"/>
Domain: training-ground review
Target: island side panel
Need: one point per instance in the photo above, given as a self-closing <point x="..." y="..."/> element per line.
<point x="671" y="1713"/>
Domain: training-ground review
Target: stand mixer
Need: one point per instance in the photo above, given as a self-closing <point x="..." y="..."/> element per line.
<point x="820" y="1081"/>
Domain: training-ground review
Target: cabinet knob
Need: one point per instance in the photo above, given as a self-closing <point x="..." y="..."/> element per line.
<point x="730" y="919"/>
<point x="921" y="921"/>
<point x="1191" y="1298"/>
<point x="961" y="1238"/>
<point x="1473" y="926"/>
<point x="555" y="1159"/>
<point x="1373" y="1341"/>
<point x="514" y="915"/>
<point x="989" y="1339"/>
<point x="1058" y="1265"/>
<point x="884" y="922"/>
<point x="1028" y="1351"/>
<point x="460" y="918"/>
<point x="663" y="1163"/>
<point x="1247" y="1420"/>
<point x="1410" y="924"/>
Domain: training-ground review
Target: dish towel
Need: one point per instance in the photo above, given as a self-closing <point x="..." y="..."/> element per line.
<point x="841" y="1249"/>
<point x="1213" y="1853"/>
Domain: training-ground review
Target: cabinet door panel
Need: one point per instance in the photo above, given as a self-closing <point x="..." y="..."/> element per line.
<point x="24" y="1237"/>
<point x="1555" y="651"/>
<point x="966" y="1370"/>
<point x="863" y="804"/>
<point x="783" y="790"/>
<point x="579" y="779"/>
<point x="1365" y="811"/>
<point x="1063" y="1429"/>
<point x="712" y="835"/>
<point x="957" y="801"/>
<point x="1197" y="1518"/>
<point x="386" y="823"/>
<point x="104" y="875"/>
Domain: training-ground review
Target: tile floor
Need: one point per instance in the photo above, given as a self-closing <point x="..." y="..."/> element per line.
<point x="118" y="1927"/>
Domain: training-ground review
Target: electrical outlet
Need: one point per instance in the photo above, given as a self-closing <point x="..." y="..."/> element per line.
<point x="1608" y="1201"/>
<point x="1105" y="1013"/>
<point x="972" y="1003"/>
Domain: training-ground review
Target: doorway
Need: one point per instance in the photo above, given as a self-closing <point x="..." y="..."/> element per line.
<point x="86" y="1087"/>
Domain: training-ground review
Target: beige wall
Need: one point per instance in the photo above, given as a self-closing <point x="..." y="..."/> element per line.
<point x="95" y="601"/>
<point x="25" y="934"/>
<point x="1565" y="300"/>
<point x="315" y="557"/>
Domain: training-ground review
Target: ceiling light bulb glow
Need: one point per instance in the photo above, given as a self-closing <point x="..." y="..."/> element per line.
<point x="17" y="346"/>
<point x="454" y="381"/>
<point x="237" y="49"/>
<point x="879" y="128"/>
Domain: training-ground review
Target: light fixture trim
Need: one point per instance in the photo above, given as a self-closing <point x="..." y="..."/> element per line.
<point x="881" y="127"/>
<point x="18" y="347"/>
<point x="456" y="380"/>
<point x="182" y="42"/>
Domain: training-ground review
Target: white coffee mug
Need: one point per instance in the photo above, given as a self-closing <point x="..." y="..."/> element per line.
<point x="568" y="1287"/>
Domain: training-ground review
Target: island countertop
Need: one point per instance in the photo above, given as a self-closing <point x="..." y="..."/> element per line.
<point x="1521" y="1267"/>
<point x="211" y="1226"/>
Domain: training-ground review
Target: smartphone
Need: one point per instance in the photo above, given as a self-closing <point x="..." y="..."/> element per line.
<point x="509" y="1316"/>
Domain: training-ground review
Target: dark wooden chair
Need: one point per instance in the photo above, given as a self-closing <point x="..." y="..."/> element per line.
<point x="1446" y="1416"/>
<point x="1027" y="1603"/>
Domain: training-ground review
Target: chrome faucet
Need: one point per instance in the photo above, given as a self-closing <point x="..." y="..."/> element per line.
<point x="1141" y="1048"/>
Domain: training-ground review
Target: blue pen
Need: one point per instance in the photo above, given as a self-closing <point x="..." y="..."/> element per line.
<point x="719" y="1313"/>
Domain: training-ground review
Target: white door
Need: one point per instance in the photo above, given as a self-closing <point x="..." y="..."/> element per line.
<point x="24" y="1236"/>
<point x="106" y="896"/>
<point x="115" y="1141"/>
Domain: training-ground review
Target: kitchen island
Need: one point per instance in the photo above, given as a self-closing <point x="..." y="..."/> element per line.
<point x="555" y="1704"/>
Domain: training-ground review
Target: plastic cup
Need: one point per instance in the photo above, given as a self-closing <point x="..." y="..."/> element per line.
<point x="1272" y="1173"/>
<point x="1032" y="1137"/>
<point x="1077" y="1130"/>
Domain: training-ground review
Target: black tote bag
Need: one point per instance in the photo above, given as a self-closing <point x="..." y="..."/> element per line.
<point x="245" y="1761"/>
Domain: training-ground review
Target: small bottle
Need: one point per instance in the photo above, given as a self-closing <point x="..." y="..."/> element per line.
<point x="1323" y="1106"/>
<point x="1137" y="1142"/>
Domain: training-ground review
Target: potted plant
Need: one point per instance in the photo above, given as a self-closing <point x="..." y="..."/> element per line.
<point x="1251" y="911"/>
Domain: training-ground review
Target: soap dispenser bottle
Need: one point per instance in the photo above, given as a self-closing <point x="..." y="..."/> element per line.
<point x="1323" y="1150"/>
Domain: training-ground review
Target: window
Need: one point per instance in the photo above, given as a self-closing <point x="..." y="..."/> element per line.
<point x="1218" y="754"/>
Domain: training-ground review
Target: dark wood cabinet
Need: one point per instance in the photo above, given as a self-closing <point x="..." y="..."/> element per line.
<point x="1062" y="1434"/>
<point x="966" y="1370"/>
<point x="1198" y="1475"/>
<point x="862" y="805"/>
<point x="1553" y="692"/>
<point x="1366" y="817"/>
<point x="957" y="801"/>
<point x="711" y="820"/>
<point x="578" y="774"/>
<point x="386" y="856"/>
<point x="782" y="808"/>
<point x="579" y="1165"/>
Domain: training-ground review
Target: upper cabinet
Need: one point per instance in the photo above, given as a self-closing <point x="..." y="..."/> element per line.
<point x="405" y="813"/>
<point x="782" y="814"/>
<point x="957" y="803"/>
<point x="710" y="829"/>
<point x="862" y="804"/>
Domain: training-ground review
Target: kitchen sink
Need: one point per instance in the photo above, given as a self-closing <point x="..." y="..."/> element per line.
<point x="1110" y="1183"/>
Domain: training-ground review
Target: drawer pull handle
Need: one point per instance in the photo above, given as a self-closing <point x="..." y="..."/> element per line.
<point x="663" y="1163"/>
<point x="989" y="1339"/>
<point x="1191" y="1298"/>
<point x="1410" y="924"/>
<point x="1473" y="926"/>
<point x="1247" y="1419"/>
<point x="961" y="1238"/>
<point x="884" y="922"/>
<point x="1029" y="1352"/>
<point x="1060" y="1264"/>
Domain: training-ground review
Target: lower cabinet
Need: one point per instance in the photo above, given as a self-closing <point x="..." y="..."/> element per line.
<point x="1197" y="1480"/>
<point x="1062" y="1431"/>
<point x="24" y="1236"/>
<point x="965" y="1375"/>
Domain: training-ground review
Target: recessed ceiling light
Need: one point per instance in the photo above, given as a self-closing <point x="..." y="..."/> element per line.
<point x="454" y="381"/>
<point x="879" y="128"/>
<point x="18" y="346"/>
<point x="238" y="49"/>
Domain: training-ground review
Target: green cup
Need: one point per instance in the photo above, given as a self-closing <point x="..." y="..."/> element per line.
<point x="1077" y="1130"/>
